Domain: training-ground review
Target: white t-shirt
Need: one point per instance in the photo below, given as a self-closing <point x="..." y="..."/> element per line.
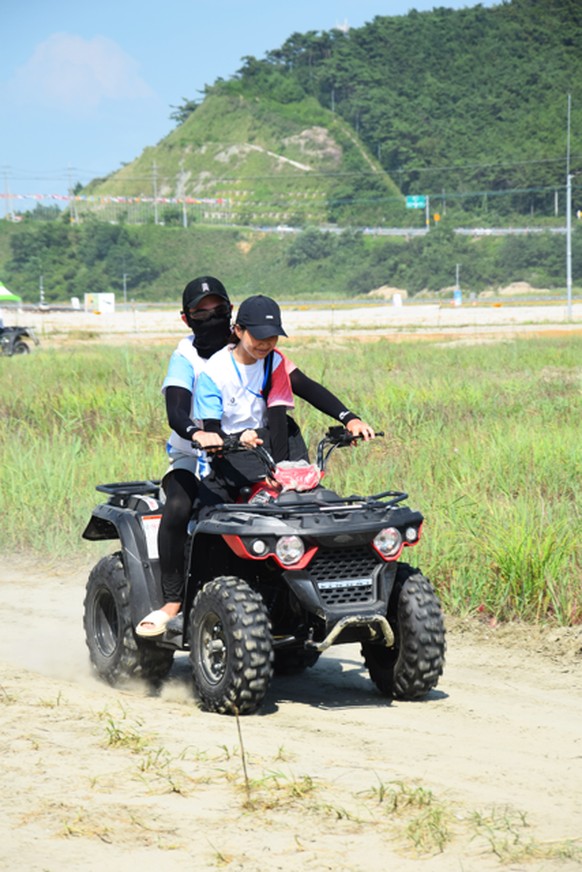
<point x="232" y="392"/>
<point x="184" y="370"/>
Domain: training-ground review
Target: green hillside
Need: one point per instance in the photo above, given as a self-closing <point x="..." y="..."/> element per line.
<point x="467" y="107"/>
<point x="252" y="160"/>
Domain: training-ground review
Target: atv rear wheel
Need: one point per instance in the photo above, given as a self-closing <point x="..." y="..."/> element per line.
<point x="411" y="668"/>
<point x="231" y="650"/>
<point x="116" y="653"/>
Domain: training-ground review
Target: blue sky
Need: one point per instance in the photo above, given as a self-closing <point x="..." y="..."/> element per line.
<point x="85" y="87"/>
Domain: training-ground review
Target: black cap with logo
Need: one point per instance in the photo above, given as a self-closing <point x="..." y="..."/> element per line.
<point x="197" y="289"/>
<point x="261" y="316"/>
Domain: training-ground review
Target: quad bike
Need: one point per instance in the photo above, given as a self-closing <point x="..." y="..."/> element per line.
<point x="271" y="582"/>
<point x="12" y="340"/>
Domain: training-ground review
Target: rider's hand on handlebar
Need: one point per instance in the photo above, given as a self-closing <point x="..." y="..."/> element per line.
<point x="250" y="438"/>
<point x="205" y="439"/>
<point x="358" y="428"/>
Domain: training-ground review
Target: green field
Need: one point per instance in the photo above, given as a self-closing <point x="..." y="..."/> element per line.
<point x="485" y="439"/>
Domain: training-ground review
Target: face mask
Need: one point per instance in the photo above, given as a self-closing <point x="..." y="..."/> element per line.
<point x="211" y="335"/>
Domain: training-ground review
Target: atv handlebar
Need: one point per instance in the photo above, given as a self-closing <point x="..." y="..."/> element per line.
<point x="232" y="443"/>
<point x="336" y="437"/>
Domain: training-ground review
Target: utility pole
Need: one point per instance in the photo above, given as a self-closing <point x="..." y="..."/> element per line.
<point x="155" y="184"/>
<point x="73" y="217"/>
<point x="181" y="188"/>
<point x="569" y="245"/>
<point x="568" y="219"/>
<point x="8" y="207"/>
<point x="125" y="278"/>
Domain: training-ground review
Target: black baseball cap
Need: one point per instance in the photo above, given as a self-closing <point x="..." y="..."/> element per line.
<point x="204" y="286"/>
<point x="261" y="316"/>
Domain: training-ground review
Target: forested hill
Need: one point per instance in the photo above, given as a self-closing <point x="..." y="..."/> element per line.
<point x="467" y="106"/>
<point x="457" y="101"/>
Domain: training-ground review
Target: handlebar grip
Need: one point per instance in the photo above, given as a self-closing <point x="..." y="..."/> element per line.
<point x="349" y="438"/>
<point x="213" y="449"/>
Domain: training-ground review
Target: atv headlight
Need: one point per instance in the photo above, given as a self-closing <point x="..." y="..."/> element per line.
<point x="289" y="549"/>
<point x="388" y="541"/>
<point x="258" y="547"/>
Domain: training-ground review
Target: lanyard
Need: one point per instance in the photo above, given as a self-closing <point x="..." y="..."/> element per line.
<point x="259" y="395"/>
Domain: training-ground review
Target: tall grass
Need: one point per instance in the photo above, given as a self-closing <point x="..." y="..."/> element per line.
<point x="485" y="440"/>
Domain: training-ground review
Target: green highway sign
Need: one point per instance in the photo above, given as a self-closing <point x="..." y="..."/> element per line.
<point x="416" y="202"/>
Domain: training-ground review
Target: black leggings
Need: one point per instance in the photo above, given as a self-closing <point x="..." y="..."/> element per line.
<point x="181" y="489"/>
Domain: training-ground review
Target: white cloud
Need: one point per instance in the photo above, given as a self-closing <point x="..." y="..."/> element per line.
<point x="73" y="74"/>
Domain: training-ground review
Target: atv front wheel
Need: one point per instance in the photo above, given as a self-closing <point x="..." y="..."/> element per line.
<point x="231" y="650"/>
<point x="413" y="665"/>
<point x="21" y="348"/>
<point x="116" y="653"/>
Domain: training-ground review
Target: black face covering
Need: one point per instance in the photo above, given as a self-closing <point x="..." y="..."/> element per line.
<point x="211" y="335"/>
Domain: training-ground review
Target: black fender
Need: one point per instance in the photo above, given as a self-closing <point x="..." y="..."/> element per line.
<point x="114" y="522"/>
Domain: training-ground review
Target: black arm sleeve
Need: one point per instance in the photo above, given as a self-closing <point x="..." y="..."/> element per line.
<point x="178" y="408"/>
<point x="278" y="434"/>
<point x="212" y="425"/>
<point x="320" y="397"/>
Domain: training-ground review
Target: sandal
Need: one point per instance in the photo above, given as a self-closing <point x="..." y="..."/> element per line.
<point x="153" y="624"/>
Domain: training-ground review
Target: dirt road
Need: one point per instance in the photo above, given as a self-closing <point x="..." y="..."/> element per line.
<point x="487" y="769"/>
<point x="466" y="323"/>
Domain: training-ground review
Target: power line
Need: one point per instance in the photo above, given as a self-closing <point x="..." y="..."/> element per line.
<point x="20" y="174"/>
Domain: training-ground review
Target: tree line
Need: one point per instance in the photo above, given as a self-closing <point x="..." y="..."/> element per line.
<point x="153" y="263"/>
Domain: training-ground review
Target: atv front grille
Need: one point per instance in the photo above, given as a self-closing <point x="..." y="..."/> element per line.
<point x="344" y="575"/>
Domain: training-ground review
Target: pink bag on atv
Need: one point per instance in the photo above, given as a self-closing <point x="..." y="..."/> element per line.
<point x="297" y="476"/>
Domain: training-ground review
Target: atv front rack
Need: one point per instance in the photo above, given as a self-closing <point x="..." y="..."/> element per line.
<point x="289" y="504"/>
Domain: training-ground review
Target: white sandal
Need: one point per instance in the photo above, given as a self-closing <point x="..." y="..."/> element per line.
<point x="158" y="619"/>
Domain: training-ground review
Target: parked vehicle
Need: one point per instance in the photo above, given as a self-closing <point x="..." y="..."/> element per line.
<point x="271" y="583"/>
<point x="13" y="340"/>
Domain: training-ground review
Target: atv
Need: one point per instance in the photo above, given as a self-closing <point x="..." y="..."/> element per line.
<point x="13" y="340"/>
<point x="272" y="581"/>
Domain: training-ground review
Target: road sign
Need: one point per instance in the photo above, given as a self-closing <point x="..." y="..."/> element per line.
<point x="416" y="202"/>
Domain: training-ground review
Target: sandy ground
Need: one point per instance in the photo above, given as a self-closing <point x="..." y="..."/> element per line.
<point x="461" y="323"/>
<point x="483" y="775"/>
<point x="95" y="778"/>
